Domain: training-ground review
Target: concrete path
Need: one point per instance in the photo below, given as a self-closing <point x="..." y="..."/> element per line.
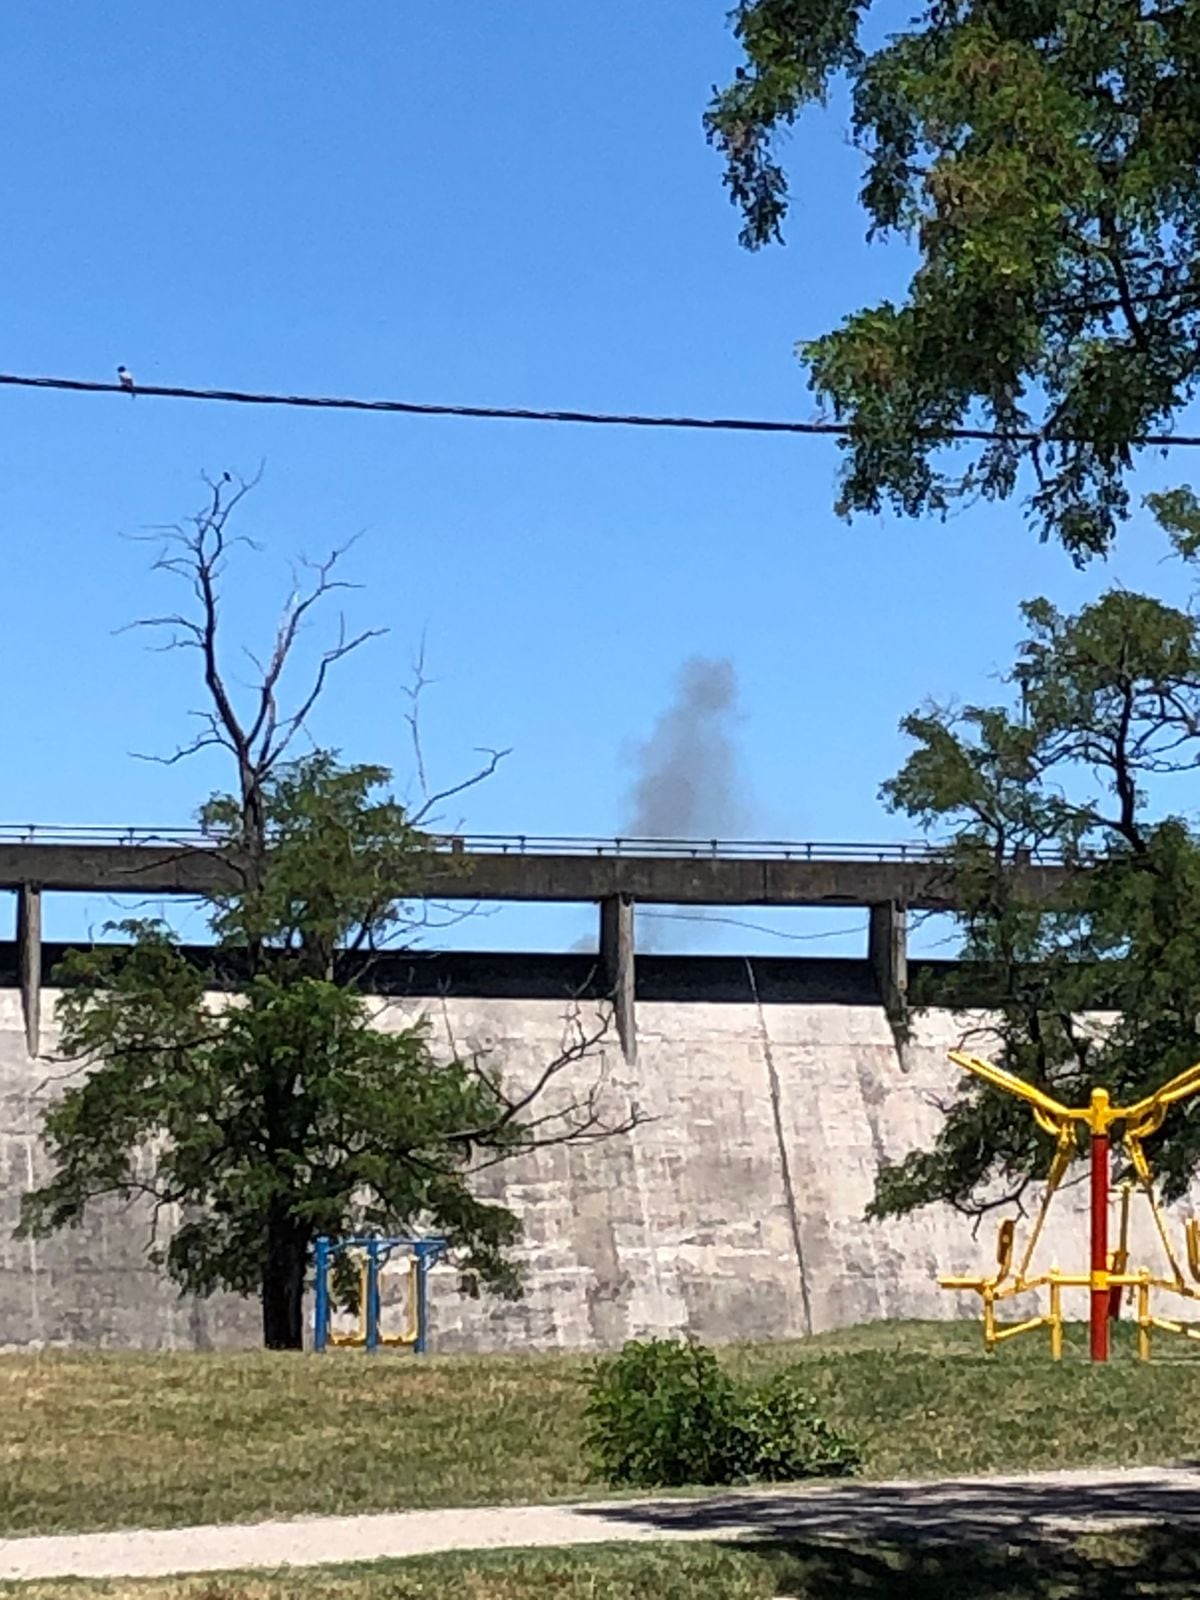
<point x="1017" y="1510"/>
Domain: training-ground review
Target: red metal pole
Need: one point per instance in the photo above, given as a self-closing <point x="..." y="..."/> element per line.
<point x="1100" y="1296"/>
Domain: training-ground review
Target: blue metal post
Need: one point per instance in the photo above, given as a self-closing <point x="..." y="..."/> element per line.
<point x="372" y="1295"/>
<point x="422" y="1298"/>
<point x="321" y="1305"/>
<point x="427" y="1252"/>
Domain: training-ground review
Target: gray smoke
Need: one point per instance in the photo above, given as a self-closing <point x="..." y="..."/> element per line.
<point x="687" y="784"/>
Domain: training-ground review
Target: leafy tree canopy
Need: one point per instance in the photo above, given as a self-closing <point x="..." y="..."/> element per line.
<point x="1087" y="764"/>
<point x="284" y="1111"/>
<point x="1043" y="156"/>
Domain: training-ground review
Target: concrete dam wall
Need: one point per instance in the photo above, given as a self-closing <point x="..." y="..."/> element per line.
<point x="734" y="1211"/>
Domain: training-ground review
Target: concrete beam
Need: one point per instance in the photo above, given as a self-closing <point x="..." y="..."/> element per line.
<point x="657" y="880"/>
<point x="115" y="868"/>
<point x="617" y="964"/>
<point x="29" y="962"/>
<point x="887" y="947"/>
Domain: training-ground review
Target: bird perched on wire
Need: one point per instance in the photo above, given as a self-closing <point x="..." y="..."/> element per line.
<point x="125" y="378"/>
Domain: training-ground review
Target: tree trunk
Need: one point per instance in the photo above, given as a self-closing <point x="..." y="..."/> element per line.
<point x="283" y="1285"/>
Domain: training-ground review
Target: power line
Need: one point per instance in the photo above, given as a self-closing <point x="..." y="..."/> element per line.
<point x="752" y="927"/>
<point x="415" y="408"/>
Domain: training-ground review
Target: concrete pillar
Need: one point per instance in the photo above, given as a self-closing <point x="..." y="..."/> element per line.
<point x="888" y="952"/>
<point x="29" y="961"/>
<point x="617" y="966"/>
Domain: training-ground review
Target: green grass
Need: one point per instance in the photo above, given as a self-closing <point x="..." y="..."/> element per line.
<point x="1157" y="1565"/>
<point x="91" y="1441"/>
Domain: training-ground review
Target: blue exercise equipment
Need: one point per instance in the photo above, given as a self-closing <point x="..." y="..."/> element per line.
<point x="374" y="1254"/>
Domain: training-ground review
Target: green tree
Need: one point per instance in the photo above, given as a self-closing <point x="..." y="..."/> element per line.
<point x="1088" y="769"/>
<point x="281" y="1111"/>
<point x="1043" y="158"/>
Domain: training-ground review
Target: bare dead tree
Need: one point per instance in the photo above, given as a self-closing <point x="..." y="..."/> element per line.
<point x="261" y="737"/>
<point x="581" y="1117"/>
<point x="253" y="726"/>
<point x="424" y="810"/>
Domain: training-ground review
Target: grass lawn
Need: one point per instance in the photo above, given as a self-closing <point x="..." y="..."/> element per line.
<point x="1156" y="1566"/>
<point x="91" y="1441"/>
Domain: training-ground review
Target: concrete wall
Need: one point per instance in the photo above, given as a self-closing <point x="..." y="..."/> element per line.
<point x="736" y="1212"/>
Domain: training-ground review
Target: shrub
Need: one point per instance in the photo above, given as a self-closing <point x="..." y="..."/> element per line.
<point x="787" y="1438"/>
<point x="662" y="1414"/>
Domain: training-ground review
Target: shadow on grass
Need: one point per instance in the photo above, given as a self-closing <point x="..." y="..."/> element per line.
<point x="1156" y="1564"/>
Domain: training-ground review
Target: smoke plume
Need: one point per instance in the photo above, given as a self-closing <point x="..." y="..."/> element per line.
<point x="687" y="784"/>
<point x="686" y="779"/>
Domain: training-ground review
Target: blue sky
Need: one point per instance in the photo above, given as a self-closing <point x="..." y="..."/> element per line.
<point x="498" y="204"/>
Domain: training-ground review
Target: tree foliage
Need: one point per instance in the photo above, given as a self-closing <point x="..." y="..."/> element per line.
<point x="1088" y="765"/>
<point x="283" y="1110"/>
<point x="1043" y="157"/>
<point x="286" y="1111"/>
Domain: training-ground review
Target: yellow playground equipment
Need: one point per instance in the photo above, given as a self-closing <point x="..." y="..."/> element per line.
<point x="1109" y="1274"/>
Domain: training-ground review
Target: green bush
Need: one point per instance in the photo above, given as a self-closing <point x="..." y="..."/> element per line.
<point x="662" y="1414"/>
<point x="786" y="1438"/>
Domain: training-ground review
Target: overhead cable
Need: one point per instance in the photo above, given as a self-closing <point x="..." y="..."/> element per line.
<point x="610" y="419"/>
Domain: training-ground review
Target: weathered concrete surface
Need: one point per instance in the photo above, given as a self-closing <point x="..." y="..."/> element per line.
<point x="736" y="1211"/>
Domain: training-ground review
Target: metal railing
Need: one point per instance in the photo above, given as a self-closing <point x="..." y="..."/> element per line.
<point x="694" y="849"/>
<point x="60" y="833"/>
<point x="534" y="844"/>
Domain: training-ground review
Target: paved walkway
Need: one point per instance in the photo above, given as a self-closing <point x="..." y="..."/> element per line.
<point x="1020" y="1509"/>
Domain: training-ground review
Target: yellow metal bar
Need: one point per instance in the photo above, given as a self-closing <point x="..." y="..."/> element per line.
<point x="1142" y="1168"/>
<point x="359" y="1336"/>
<point x="1183" y="1289"/>
<point x="1048" y="1124"/>
<point x="1014" y="1290"/>
<point x="408" y="1334"/>
<point x="1121" y="1254"/>
<point x="1012" y="1329"/>
<point x="1004" y="1249"/>
<point x="1056" y="1321"/>
<point x="1142" y="1127"/>
<point x="1193" y="1247"/>
<point x="413" y="1309"/>
<point x="1175" y="1089"/>
<point x="1100" y="1113"/>
<point x="1118" y="1260"/>
<point x="1058" y="1167"/>
<point x="1009" y="1081"/>
<point x="1143" y="1316"/>
<point x="1189" y="1330"/>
